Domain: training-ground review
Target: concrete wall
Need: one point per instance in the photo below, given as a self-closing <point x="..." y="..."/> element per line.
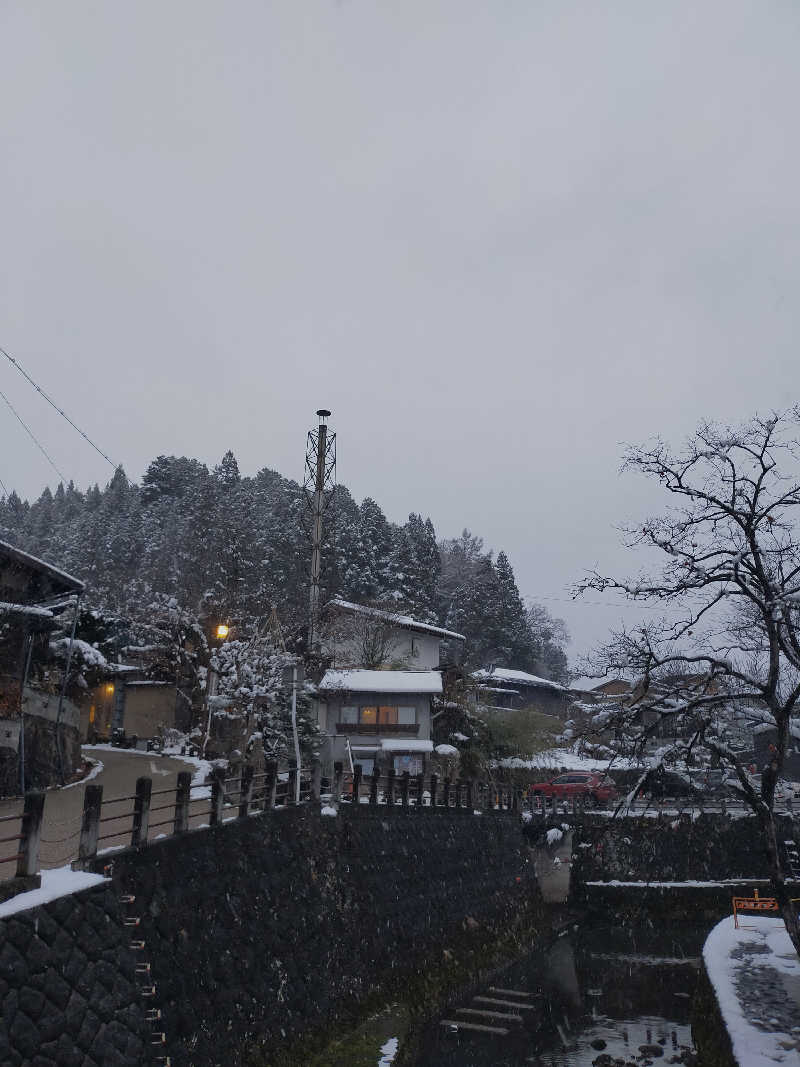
<point x="41" y="744"/>
<point x="256" y="932"/>
<point x="148" y="708"/>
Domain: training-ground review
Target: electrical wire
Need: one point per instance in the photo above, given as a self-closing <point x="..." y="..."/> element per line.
<point x="54" y="405"/>
<point x="33" y="437"/>
<point x="578" y="601"/>
<point x="3" y="486"/>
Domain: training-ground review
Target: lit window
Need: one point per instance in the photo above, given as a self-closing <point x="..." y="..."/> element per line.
<point x="349" y="715"/>
<point x="387" y="715"/>
<point x="407" y="716"/>
<point x="369" y="715"/>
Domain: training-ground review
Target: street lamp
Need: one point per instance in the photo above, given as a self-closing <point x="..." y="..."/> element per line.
<point x="212" y="680"/>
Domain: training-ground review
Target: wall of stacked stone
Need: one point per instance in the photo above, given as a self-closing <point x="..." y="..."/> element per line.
<point x="710" y="847"/>
<point x="255" y="931"/>
<point x="68" y="990"/>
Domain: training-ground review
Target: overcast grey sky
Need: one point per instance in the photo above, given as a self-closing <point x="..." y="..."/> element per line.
<point x="496" y="239"/>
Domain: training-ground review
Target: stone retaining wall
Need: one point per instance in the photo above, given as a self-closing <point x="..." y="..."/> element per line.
<point x="672" y="849"/>
<point x="255" y="931"/>
<point x="68" y="987"/>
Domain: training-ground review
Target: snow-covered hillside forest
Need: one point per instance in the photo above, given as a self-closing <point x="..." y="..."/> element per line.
<point x="210" y="545"/>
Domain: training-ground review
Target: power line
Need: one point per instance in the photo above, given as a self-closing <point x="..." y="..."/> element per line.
<point x="54" y="405"/>
<point x="3" y="487"/>
<point x="578" y="601"/>
<point x="33" y="437"/>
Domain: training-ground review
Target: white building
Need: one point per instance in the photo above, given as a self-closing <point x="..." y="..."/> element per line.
<point x="374" y="703"/>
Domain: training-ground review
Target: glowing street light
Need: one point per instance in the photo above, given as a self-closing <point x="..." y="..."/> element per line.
<point x="223" y="630"/>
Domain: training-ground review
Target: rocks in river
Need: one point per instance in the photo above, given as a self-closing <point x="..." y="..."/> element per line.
<point x="651" y="1050"/>
<point x="598" y="1044"/>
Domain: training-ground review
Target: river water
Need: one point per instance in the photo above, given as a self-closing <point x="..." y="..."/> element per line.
<point x="600" y="991"/>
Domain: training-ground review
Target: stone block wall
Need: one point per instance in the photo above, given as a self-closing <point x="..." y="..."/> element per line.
<point x="709" y="848"/>
<point x="68" y="987"/>
<point x="255" y="931"/>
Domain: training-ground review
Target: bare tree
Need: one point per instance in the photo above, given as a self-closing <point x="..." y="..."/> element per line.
<point x="728" y="645"/>
<point x="362" y="635"/>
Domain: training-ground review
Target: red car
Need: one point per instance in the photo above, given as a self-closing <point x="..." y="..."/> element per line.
<point x="591" y="786"/>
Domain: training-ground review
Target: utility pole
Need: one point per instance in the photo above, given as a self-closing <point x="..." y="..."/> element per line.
<point x="318" y="486"/>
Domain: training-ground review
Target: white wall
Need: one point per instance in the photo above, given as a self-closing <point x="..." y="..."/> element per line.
<point x="417" y="651"/>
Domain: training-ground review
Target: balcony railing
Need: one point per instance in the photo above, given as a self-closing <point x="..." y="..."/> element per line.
<point x="407" y="729"/>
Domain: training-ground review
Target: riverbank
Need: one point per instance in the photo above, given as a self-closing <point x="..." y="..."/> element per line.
<point x="755" y="975"/>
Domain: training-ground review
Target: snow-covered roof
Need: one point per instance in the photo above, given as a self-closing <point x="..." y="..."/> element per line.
<point x="505" y="674"/>
<point x="398" y="745"/>
<point x="393" y="745"/>
<point x="24" y="609"/>
<point x="403" y="621"/>
<point x="365" y="681"/>
<point x="32" y="563"/>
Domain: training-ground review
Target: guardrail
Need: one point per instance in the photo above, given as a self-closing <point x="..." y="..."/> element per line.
<point x="148" y="814"/>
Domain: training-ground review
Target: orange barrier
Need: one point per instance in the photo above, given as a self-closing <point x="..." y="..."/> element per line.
<point x="754" y="903"/>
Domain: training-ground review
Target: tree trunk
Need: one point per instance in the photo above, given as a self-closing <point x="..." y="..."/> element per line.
<point x="786" y="908"/>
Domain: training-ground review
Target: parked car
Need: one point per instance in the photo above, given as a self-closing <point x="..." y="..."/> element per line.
<point x="589" y="785"/>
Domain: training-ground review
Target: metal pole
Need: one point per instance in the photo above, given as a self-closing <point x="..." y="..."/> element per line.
<point x="25" y="670"/>
<point x="63" y="692"/>
<point x="294" y="735"/>
<point x="316" y="535"/>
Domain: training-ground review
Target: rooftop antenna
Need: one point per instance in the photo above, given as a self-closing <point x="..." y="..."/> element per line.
<point x="319" y="485"/>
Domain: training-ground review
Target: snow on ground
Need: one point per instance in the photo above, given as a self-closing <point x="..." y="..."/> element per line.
<point x="388" y="1052"/>
<point x="756" y="973"/>
<point x="105" y="747"/>
<point x="59" y="882"/>
<point x="202" y="769"/>
<point x="554" y="758"/>
<point x="328" y="810"/>
<point x="97" y="768"/>
<point x="733" y="882"/>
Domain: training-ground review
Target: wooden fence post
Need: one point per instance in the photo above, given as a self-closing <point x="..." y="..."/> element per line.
<point x="357" y="772"/>
<point x="420" y="790"/>
<point x="446" y="791"/>
<point x="217" y="796"/>
<point x="31" y="831"/>
<point x="316" y="780"/>
<point x="291" y="785"/>
<point x="404" y="782"/>
<point x="373" y="787"/>
<point x="390" y="787"/>
<point x="434" y="786"/>
<point x="141" y="812"/>
<point x="459" y="784"/>
<point x="336" y="785"/>
<point x="469" y="798"/>
<point x="182" y="795"/>
<point x="90" y="823"/>
<point x="270" y="784"/>
<point x="246" y="794"/>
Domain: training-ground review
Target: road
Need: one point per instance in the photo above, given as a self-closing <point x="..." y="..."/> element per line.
<point x="63" y="807"/>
